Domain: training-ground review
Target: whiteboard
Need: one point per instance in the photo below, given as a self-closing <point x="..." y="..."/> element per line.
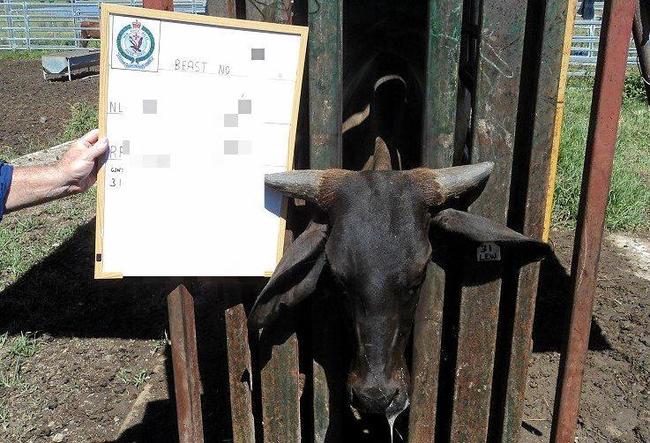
<point x="196" y="110"/>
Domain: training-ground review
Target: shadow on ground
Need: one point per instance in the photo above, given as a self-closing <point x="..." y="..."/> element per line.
<point x="553" y="309"/>
<point x="60" y="297"/>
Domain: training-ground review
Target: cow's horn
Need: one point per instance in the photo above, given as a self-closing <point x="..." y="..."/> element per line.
<point x="316" y="186"/>
<point x="441" y="185"/>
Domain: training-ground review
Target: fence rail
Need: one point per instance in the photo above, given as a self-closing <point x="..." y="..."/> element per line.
<point x="586" y="38"/>
<point x="28" y="25"/>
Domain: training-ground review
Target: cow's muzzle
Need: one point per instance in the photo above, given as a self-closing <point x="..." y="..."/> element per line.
<point x="378" y="395"/>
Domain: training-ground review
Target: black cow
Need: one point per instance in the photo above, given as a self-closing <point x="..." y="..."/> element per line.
<point x="376" y="243"/>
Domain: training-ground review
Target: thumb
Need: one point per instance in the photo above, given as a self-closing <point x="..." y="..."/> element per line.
<point x="98" y="149"/>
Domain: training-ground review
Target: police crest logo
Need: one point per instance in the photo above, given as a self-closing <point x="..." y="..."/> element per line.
<point x="135" y="45"/>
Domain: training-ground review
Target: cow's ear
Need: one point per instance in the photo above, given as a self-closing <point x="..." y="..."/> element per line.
<point x="294" y="279"/>
<point x="476" y="230"/>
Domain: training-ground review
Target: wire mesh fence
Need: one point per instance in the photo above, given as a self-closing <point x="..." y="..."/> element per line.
<point x="586" y="38"/>
<point x="51" y="25"/>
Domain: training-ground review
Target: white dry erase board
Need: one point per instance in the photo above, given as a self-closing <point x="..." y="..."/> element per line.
<point x="197" y="110"/>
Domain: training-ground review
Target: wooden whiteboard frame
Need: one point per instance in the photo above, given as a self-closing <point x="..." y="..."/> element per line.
<point x="111" y="9"/>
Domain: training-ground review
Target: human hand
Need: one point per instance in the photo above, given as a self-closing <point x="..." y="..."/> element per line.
<point x="78" y="166"/>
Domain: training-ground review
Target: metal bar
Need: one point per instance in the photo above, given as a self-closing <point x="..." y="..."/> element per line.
<point x="559" y="117"/>
<point x="548" y="79"/>
<point x="240" y="371"/>
<point x="280" y="377"/>
<point x="441" y="96"/>
<point x="281" y="391"/>
<point x="187" y="386"/>
<point x="258" y="10"/>
<point x="599" y="157"/>
<point x="10" y="22"/>
<point x="641" y="32"/>
<point x="26" y="20"/>
<point x="325" y="83"/>
<point x="221" y="8"/>
<point x="427" y="334"/>
<point x="325" y="116"/>
<point x="445" y="22"/>
<point x="494" y="122"/>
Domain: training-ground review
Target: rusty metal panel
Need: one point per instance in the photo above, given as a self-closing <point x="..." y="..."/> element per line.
<point x="542" y="115"/>
<point x="439" y="126"/>
<point x="427" y="334"/>
<point x="277" y="11"/>
<point x="260" y="11"/>
<point x="280" y="379"/>
<point x="280" y="387"/>
<point x="325" y="83"/>
<point x="601" y="144"/>
<point x="445" y="23"/>
<point x="278" y="345"/>
<point x="325" y="116"/>
<point x="240" y="373"/>
<point x="187" y="385"/>
<point x="494" y="124"/>
<point x="221" y="8"/>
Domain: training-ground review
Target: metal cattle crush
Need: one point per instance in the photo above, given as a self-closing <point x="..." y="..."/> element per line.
<point x="471" y="342"/>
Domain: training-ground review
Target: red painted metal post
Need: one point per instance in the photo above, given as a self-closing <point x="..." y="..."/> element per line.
<point x="601" y="143"/>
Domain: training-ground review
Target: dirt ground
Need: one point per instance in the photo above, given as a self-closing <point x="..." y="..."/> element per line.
<point x="34" y="111"/>
<point x="615" y="395"/>
<point x="94" y="338"/>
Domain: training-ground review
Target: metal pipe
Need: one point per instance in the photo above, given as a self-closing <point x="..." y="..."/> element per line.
<point x="601" y="143"/>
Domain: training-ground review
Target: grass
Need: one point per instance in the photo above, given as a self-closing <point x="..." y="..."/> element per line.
<point x="15" y="353"/>
<point x="83" y="118"/>
<point x="629" y="197"/>
<point x="137" y="379"/>
<point x="29" y="236"/>
<point x="4" y="414"/>
<point x="23" y="54"/>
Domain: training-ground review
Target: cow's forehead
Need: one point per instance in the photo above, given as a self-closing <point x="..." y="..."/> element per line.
<point x="378" y="191"/>
<point x="379" y="220"/>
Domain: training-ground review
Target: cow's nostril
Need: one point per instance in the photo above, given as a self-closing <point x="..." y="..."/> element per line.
<point x="373" y="400"/>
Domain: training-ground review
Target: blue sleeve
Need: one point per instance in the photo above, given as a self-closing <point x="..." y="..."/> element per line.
<point x="6" y="172"/>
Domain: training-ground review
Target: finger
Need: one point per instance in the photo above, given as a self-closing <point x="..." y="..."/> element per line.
<point x="91" y="137"/>
<point x="98" y="149"/>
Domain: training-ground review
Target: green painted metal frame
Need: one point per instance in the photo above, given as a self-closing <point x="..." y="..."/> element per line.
<point x="541" y="119"/>
<point x="500" y="44"/>
<point x="444" y="36"/>
<point x="500" y="53"/>
<point x="325" y="144"/>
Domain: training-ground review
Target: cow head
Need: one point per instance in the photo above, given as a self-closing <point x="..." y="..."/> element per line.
<point x="376" y="245"/>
